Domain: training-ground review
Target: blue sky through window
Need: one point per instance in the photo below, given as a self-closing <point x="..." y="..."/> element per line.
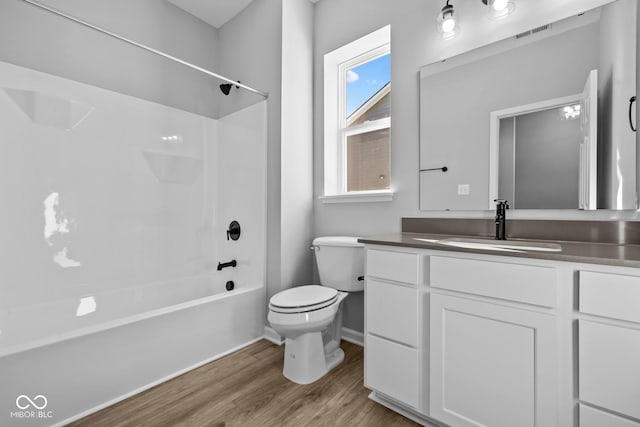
<point x="365" y="80"/>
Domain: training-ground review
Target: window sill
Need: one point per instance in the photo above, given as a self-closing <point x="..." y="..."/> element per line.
<point x="358" y="197"/>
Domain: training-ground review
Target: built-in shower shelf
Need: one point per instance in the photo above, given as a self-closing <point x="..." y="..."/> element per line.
<point x="170" y="168"/>
<point x="49" y="110"/>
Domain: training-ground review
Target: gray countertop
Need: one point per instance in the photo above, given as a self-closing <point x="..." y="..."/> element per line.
<point x="571" y="251"/>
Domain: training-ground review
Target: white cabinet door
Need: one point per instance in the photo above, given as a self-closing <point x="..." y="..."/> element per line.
<point x="392" y="369"/>
<point x="396" y="266"/>
<point x="392" y="311"/>
<point x="616" y="296"/>
<point x="535" y="284"/>
<point x="610" y="367"/>
<point x="491" y="365"/>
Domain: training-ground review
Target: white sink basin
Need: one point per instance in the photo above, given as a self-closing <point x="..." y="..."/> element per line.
<point x="496" y="245"/>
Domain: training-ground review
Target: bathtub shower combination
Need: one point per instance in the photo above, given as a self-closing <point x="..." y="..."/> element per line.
<point x="115" y="217"/>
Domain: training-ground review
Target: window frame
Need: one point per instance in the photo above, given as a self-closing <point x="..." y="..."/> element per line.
<point x="336" y="64"/>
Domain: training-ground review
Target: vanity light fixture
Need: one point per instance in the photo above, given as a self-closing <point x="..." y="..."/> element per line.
<point x="448" y="25"/>
<point x="499" y="9"/>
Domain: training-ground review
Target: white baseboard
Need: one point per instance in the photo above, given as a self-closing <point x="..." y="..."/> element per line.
<point x="273" y="336"/>
<point x="352" y="336"/>
<point x="404" y="411"/>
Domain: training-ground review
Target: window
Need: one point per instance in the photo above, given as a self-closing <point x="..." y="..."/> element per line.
<point x="358" y="120"/>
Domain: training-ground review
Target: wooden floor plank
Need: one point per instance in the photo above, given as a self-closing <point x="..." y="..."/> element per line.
<point x="247" y="389"/>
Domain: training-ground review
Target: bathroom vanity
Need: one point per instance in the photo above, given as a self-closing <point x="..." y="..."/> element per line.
<point x="527" y="335"/>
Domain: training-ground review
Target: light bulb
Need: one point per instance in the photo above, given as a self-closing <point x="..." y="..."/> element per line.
<point x="448" y="24"/>
<point x="499" y="5"/>
<point x="499" y="9"/>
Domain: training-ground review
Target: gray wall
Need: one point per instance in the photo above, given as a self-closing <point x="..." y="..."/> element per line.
<point x="250" y="46"/>
<point x="39" y="40"/>
<point x="296" y="184"/>
<point x="547" y="156"/>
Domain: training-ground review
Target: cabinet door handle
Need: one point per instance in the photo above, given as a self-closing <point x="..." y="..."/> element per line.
<point x="631" y="101"/>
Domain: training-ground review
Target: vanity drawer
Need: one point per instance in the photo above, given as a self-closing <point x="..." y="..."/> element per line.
<point x="514" y="282"/>
<point x="609" y="367"/>
<point x="392" y="311"/>
<point x="396" y="266"/>
<point x="392" y="369"/>
<point x="591" y="417"/>
<point x="610" y="295"/>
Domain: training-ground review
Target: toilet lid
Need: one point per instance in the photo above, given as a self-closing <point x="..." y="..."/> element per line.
<point x="304" y="297"/>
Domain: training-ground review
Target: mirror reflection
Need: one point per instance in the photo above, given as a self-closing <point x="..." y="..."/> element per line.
<point x="545" y="154"/>
<point x="520" y="87"/>
<point x="540" y="150"/>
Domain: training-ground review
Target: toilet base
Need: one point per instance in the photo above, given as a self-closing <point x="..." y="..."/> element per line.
<point x="334" y="359"/>
<point x="305" y="360"/>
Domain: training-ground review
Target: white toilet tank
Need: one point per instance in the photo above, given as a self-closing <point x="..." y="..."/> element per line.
<point x="340" y="262"/>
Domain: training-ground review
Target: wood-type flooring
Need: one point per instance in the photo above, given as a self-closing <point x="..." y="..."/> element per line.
<point x="247" y="389"/>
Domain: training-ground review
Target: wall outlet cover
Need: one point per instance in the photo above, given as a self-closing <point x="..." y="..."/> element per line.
<point x="464" y="189"/>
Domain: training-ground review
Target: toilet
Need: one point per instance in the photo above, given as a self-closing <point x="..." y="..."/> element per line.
<point x="310" y="316"/>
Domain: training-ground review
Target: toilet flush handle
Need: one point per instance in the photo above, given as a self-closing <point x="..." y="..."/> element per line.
<point x="314" y="248"/>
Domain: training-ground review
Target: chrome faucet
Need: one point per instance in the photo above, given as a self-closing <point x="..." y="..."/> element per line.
<point x="501" y="219"/>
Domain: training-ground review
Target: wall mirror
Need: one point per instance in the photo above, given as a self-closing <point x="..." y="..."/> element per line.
<point x="540" y="119"/>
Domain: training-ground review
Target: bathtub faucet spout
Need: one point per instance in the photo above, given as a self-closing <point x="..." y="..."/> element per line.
<point x="221" y="265"/>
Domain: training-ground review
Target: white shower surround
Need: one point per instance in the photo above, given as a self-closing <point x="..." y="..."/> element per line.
<point x="115" y="220"/>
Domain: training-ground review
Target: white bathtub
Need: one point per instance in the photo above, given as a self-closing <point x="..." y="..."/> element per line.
<point x="84" y="354"/>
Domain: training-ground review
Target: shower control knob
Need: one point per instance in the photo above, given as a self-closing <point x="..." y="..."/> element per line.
<point x="233" y="232"/>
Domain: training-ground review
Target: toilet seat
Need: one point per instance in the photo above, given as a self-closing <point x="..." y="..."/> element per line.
<point x="303" y="299"/>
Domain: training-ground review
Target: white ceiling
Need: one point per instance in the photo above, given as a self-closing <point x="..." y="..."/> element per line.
<point x="213" y="12"/>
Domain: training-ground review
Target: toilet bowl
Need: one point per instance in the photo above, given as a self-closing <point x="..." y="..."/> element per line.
<point x="310" y="316"/>
<point x="307" y="357"/>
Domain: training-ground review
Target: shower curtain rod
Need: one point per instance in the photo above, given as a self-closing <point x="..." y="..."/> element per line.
<point x="141" y="46"/>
